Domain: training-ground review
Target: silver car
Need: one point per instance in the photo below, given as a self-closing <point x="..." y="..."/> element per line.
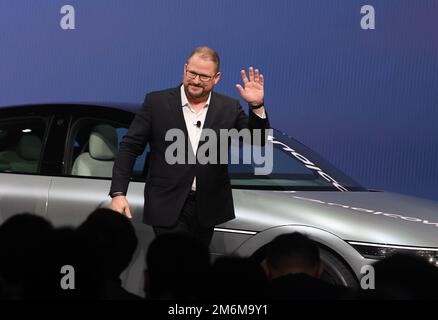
<point x="52" y="163"/>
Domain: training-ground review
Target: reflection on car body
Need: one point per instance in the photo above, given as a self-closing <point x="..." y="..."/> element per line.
<point x="56" y="161"/>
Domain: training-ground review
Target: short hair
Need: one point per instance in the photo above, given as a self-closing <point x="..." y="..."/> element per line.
<point x="178" y="265"/>
<point x="113" y="238"/>
<point x="293" y="248"/>
<point x="207" y="53"/>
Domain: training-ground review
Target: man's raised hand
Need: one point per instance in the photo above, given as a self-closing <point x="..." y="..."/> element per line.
<point x="253" y="90"/>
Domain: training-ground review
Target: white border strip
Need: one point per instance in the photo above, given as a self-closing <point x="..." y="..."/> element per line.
<point x="392" y="246"/>
<point x="235" y="231"/>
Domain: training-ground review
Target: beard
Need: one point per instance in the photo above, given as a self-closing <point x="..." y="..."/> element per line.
<point x="195" y="92"/>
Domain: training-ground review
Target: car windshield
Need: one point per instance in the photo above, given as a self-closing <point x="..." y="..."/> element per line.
<point x="294" y="167"/>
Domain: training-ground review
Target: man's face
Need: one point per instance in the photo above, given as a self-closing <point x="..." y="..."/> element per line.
<point x="196" y="69"/>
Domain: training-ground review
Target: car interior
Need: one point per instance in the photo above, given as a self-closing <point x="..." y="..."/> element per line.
<point x="22" y="157"/>
<point x="97" y="155"/>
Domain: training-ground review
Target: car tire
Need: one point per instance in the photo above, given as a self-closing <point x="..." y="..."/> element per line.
<point x="336" y="272"/>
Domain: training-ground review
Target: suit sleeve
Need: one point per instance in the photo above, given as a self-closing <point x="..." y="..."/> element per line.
<point x="251" y="122"/>
<point x="132" y="145"/>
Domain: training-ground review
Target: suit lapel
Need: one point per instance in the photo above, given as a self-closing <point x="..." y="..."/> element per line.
<point x="176" y="110"/>
<point x="211" y="117"/>
<point x="178" y="116"/>
<point x="212" y="112"/>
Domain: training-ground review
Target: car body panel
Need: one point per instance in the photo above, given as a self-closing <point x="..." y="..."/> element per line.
<point x="376" y="217"/>
<point x="331" y="218"/>
<point x="20" y="193"/>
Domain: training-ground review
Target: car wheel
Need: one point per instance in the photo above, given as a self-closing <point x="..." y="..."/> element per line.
<point x="336" y="272"/>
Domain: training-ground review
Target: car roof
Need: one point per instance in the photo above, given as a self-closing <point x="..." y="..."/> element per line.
<point x="79" y="108"/>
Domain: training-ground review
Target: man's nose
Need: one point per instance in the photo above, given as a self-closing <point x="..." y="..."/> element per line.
<point x="197" y="79"/>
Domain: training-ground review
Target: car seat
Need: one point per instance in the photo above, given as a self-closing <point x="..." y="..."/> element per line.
<point x="102" y="149"/>
<point x="27" y="155"/>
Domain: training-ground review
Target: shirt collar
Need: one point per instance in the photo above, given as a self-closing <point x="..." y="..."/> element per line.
<point x="185" y="101"/>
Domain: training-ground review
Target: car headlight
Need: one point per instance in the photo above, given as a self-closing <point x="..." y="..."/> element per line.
<point x="380" y="251"/>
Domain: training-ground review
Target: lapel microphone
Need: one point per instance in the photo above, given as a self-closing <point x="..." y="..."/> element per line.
<point x="198" y="124"/>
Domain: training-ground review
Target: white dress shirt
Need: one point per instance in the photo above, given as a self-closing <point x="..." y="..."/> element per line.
<point x="191" y="117"/>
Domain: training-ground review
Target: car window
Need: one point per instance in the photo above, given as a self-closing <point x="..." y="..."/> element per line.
<point x="21" y="145"/>
<point x="95" y="146"/>
<point x="293" y="167"/>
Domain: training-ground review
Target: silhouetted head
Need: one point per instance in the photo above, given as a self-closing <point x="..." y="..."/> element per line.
<point x="237" y="278"/>
<point x="177" y="265"/>
<point x="112" y="237"/>
<point x="78" y="270"/>
<point x="25" y="253"/>
<point x="292" y="253"/>
<point x="405" y="276"/>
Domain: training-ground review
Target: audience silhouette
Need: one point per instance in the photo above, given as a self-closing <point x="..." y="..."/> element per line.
<point x="178" y="266"/>
<point x="112" y="240"/>
<point x="294" y="268"/>
<point x="35" y="259"/>
<point x="26" y="270"/>
<point x="236" y="278"/>
<point x="404" y="276"/>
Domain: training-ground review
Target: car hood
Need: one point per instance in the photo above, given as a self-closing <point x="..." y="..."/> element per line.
<point x="377" y="217"/>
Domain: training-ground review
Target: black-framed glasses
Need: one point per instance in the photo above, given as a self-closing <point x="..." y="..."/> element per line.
<point x="202" y="77"/>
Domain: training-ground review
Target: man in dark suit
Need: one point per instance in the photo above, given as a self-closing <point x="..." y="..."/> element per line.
<point x="186" y="197"/>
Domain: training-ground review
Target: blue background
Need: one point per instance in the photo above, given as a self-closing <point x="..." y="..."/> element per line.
<point x="364" y="99"/>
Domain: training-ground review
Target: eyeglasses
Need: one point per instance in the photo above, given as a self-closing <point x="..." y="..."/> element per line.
<point x="202" y="77"/>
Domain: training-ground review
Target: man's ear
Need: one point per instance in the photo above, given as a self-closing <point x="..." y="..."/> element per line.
<point x="266" y="269"/>
<point x="217" y="77"/>
<point x="320" y="270"/>
<point x="184" y="72"/>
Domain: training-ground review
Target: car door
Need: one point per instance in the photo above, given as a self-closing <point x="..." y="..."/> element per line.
<point x="89" y="154"/>
<point x="23" y="186"/>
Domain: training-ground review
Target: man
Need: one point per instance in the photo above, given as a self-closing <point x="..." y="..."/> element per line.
<point x="292" y="253"/>
<point x="187" y="197"/>
<point x="294" y="268"/>
<point x="180" y="274"/>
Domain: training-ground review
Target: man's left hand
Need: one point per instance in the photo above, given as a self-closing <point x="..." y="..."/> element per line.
<point x="253" y="93"/>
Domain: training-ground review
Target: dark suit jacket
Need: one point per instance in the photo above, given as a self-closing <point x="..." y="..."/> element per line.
<point x="167" y="186"/>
